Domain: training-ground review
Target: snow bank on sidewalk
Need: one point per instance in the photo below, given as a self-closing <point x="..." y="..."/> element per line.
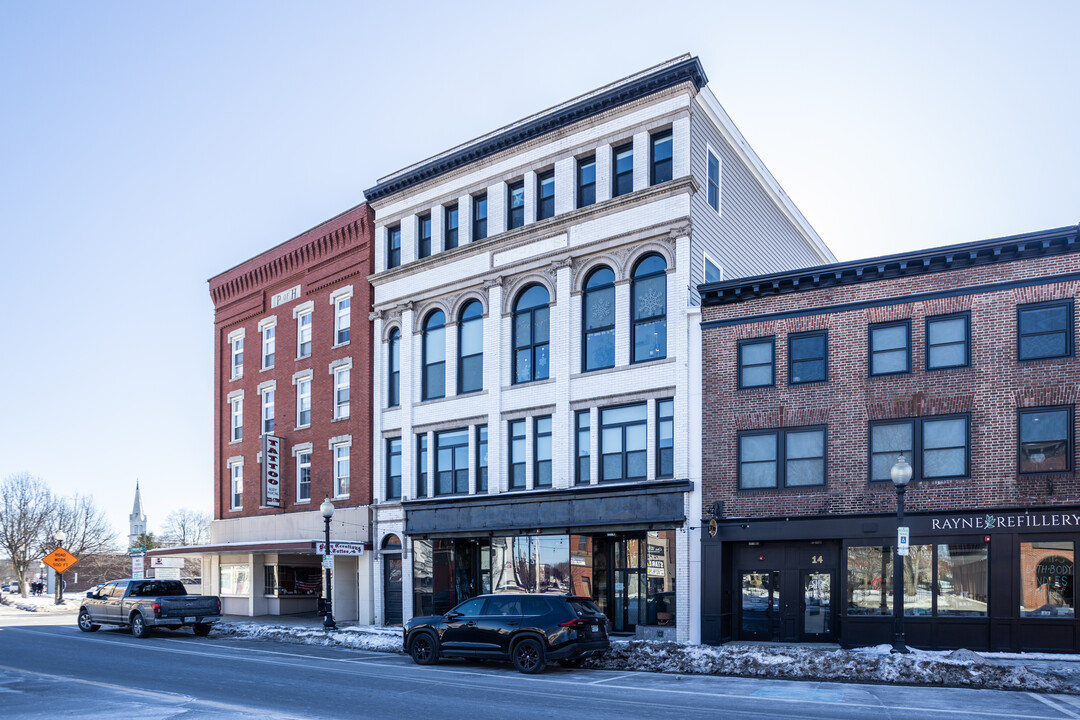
<point x="361" y="637"/>
<point x="41" y="603"/>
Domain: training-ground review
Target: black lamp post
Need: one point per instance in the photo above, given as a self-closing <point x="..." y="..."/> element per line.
<point x="327" y="509"/>
<point x="60" y="536"/>
<point x="901" y="475"/>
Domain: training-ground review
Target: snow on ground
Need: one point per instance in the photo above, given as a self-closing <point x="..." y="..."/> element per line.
<point x="40" y="603"/>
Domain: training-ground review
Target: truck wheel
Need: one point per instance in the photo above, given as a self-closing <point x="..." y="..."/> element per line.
<point x="139" y="628"/>
<point x="84" y="622"/>
<point x="201" y="629"/>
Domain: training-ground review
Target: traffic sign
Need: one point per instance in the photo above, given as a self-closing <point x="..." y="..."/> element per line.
<point x="903" y="540"/>
<point x="137" y="549"/>
<point x="60" y="560"/>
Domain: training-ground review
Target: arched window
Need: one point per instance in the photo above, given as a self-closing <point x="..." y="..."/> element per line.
<point x="434" y="356"/>
<point x="649" y="302"/>
<point x="531" y="334"/>
<point x="471" y="348"/>
<point x="391" y="543"/>
<point x="393" y="362"/>
<point x="598" y="321"/>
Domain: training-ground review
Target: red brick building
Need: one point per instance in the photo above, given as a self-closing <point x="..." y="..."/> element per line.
<point x="963" y="360"/>
<point x="292" y="420"/>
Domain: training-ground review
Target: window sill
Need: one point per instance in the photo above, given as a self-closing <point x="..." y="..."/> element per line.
<point x="236" y="442"/>
<point x="303" y="502"/>
<point x="236" y="377"/>
<point x="340" y="345"/>
<point x="236" y="509"/>
<point x="302" y="427"/>
<point x="530" y="383"/>
<point x="756" y="387"/>
<point x="302" y="357"/>
<point x="262" y="370"/>
<point x="338" y="419"/>
<point x="340" y="497"/>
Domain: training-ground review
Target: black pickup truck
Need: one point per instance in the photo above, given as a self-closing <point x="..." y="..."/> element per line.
<point x="145" y="604"/>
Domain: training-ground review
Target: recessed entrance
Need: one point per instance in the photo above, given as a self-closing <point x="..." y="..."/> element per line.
<point x="786" y="591"/>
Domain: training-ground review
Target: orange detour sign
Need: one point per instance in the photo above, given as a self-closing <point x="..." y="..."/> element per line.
<point x="60" y="560"/>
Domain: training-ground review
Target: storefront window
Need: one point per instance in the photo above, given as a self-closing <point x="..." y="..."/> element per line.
<point x="660" y="564"/>
<point x="289" y="580"/>
<point x="918" y="580"/>
<point x="869" y="580"/>
<point x="581" y="563"/>
<point x="1046" y="579"/>
<point x="962" y="580"/>
<point x="235" y="580"/>
<point x="421" y="562"/>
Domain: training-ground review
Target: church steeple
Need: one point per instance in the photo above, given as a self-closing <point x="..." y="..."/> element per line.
<point x="137" y="519"/>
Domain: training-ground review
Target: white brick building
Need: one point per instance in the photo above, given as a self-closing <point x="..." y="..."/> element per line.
<point x="537" y="392"/>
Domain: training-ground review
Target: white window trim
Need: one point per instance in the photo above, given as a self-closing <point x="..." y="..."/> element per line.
<point x="297" y="379"/>
<point x="264" y="325"/>
<point x="305" y="308"/>
<point x="719" y="180"/>
<point x="235" y="372"/>
<point x="297" y="451"/>
<point x="342" y="293"/>
<point x="706" y="257"/>
<point x="347" y="406"/>
<point x="265" y="387"/>
<point x="233" y="462"/>
<point x="230" y="399"/>
<point x="346" y="442"/>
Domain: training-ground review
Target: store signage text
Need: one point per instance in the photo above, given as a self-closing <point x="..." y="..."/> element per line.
<point x="285" y="296"/>
<point x="271" y="469"/>
<point x="1005" y="522"/>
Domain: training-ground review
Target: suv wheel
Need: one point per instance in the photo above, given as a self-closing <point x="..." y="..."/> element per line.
<point x="528" y="656"/>
<point x="139" y="628"/>
<point x="84" y="622"/>
<point x="424" y="649"/>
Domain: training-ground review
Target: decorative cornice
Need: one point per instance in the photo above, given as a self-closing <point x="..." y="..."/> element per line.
<point x="689" y="70"/>
<point x="952" y="257"/>
<point x="496" y="282"/>
<point x="375" y="315"/>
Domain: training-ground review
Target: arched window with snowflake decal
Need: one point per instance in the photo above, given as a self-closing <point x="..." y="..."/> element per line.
<point x="531" y="332"/>
<point x="649" y="303"/>
<point x="598" y="321"/>
<point x="471" y="348"/>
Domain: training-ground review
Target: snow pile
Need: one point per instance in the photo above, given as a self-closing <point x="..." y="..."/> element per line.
<point x="867" y="665"/>
<point x="360" y="637"/>
<point x="40" y="603"/>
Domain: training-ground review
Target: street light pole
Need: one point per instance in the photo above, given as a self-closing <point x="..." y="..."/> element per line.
<point x="60" y="536"/>
<point x="327" y="509"/>
<point x="901" y="475"/>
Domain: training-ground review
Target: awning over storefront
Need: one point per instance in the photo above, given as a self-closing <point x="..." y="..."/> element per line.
<point x="659" y="502"/>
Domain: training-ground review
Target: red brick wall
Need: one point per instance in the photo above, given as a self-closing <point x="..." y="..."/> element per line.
<point x="990" y="390"/>
<point x="332" y="255"/>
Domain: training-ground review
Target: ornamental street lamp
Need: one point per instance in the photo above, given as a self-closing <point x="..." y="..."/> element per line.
<point x="327" y="509"/>
<point x="60" y="536"/>
<point x="901" y="475"/>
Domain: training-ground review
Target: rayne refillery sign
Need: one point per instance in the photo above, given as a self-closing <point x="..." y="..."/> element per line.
<point x="271" y="470"/>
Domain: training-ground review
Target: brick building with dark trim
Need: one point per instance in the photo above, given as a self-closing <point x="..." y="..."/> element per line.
<point x="960" y="358"/>
<point x="292" y="382"/>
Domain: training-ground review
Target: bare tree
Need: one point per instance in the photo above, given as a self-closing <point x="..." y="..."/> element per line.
<point x="185" y="527"/>
<point x="87" y="530"/>
<point x="25" y="507"/>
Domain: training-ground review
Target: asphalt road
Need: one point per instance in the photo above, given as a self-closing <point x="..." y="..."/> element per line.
<point x="48" y="669"/>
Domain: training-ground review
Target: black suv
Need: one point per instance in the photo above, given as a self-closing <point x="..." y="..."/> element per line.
<point x="526" y="628"/>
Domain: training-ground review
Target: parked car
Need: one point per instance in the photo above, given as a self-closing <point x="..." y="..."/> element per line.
<point x="145" y="604"/>
<point x="527" y="629"/>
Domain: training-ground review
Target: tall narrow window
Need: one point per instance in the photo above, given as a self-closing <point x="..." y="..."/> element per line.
<point x="545" y="195"/>
<point x="479" y="231"/>
<point x="423" y="236"/>
<point x="598" y="320"/>
<point x="452" y="462"/>
<point x="947" y="342"/>
<point x="622" y="175"/>
<point x="665" y="438"/>
<point x="583" y="472"/>
<point x="515" y="204"/>
<point x="237" y="412"/>
<point x="649" y="299"/>
<point x="236" y="483"/>
<point x="393" y="246"/>
<point x="586" y="181"/>
<point x="237" y="356"/>
<point x="450" y="227"/>
<point x="303" y="402"/>
<point x="303" y="476"/>
<point x="341" y="392"/>
<point x="542" y="452"/>
<point x="471" y="348"/>
<point x="269" y="343"/>
<point x="531" y="335"/>
<point x="267" y="411"/>
<point x="481" y="458"/>
<point x="661" y="170"/>
<point x="623" y="443"/>
<point x="1044" y="330"/>
<point x="393" y="349"/>
<point x="890" y="348"/>
<point x="434" y="356"/>
<point x="341" y="470"/>
<point x="714" y="181"/>
<point x="713" y="272"/>
<point x="421" y="465"/>
<point x="393" y="468"/>
<point x="517" y="454"/>
<point x="1046" y="440"/>
<point x="303" y="335"/>
<point x="343" y="315"/>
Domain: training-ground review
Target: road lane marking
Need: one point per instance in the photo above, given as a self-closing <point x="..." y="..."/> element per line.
<point x="173" y="697"/>
<point x="1054" y="705"/>
<point x="604" y="680"/>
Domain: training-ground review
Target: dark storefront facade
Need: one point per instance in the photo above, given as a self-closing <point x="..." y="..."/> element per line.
<point x="999" y="580"/>
<point x="592" y="543"/>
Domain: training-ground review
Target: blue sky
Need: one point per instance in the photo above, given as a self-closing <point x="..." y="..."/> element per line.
<point x="145" y="147"/>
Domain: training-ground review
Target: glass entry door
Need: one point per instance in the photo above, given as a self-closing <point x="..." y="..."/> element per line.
<point x="759" y="605"/>
<point x="816" y="606"/>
